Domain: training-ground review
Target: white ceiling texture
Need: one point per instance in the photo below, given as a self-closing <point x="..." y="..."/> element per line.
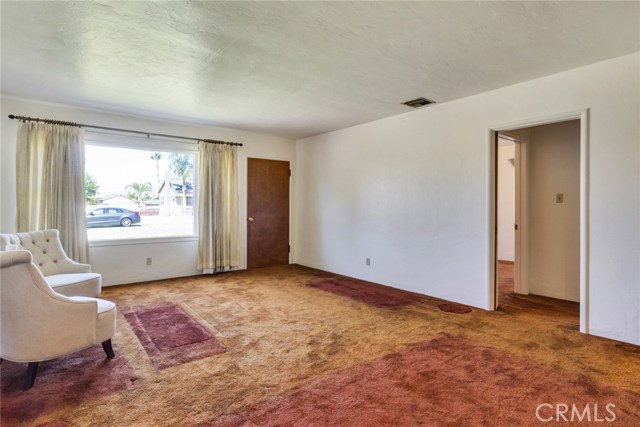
<point x="295" y="68"/>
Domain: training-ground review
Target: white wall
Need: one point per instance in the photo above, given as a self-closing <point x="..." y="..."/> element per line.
<point x="506" y="201"/>
<point x="126" y="263"/>
<point x="412" y="192"/>
<point x="554" y="228"/>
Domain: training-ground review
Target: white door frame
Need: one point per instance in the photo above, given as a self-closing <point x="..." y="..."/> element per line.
<point x="521" y="232"/>
<point x="520" y="284"/>
<point x="583" y="116"/>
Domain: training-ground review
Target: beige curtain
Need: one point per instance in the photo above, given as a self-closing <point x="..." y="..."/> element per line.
<point x="50" y="183"/>
<point x="217" y="207"/>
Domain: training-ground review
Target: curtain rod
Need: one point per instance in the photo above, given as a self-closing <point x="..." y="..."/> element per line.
<point x="60" y="122"/>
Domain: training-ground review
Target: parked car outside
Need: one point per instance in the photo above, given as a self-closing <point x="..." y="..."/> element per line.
<point x="112" y="216"/>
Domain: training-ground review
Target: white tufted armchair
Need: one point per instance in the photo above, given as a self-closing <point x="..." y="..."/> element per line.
<point x="38" y="324"/>
<point x="64" y="275"/>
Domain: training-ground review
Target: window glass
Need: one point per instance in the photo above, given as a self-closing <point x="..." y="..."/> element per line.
<point x="138" y="193"/>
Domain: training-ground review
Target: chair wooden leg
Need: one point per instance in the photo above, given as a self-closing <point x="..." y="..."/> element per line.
<point x="32" y="370"/>
<point x="108" y="349"/>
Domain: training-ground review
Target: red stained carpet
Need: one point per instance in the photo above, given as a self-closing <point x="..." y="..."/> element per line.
<point x="170" y="336"/>
<point x="443" y="382"/>
<point x="68" y="381"/>
<point x="314" y="349"/>
<point x="366" y="292"/>
<point x="454" y="308"/>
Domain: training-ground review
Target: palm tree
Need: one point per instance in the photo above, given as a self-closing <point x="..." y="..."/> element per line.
<point x="181" y="165"/>
<point x="139" y="191"/>
<point x="156" y="157"/>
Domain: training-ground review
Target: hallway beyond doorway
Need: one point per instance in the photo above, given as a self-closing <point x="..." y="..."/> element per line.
<point x="565" y="311"/>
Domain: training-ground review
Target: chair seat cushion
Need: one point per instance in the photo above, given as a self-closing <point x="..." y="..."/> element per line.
<point x="76" y="284"/>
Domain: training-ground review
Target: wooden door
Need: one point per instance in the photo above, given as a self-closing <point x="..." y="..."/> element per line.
<point x="267" y="212"/>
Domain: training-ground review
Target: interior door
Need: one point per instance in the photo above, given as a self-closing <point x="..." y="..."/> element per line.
<point x="268" y="212"/>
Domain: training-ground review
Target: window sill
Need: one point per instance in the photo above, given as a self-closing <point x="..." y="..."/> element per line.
<point x="142" y="241"/>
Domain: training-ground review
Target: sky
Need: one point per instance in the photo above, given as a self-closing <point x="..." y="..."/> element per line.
<point x="115" y="168"/>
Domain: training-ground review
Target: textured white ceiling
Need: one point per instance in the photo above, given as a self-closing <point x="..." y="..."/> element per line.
<point x="295" y="68"/>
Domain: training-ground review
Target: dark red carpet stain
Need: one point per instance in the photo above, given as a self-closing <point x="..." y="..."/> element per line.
<point x="444" y="382"/>
<point x="454" y="308"/>
<point x="366" y="292"/>
<point x="170" y="336"/>
<point x="64" y="382"/>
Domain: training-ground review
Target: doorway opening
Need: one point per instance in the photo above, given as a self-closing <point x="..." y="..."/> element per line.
<point x="539" y="218"/>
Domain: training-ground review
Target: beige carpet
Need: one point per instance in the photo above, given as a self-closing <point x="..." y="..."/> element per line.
<point x="300" y="352"/>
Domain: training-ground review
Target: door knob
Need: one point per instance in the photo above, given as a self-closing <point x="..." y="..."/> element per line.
<point x="250" y="219"/>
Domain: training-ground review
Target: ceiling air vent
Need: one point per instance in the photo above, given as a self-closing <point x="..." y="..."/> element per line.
<point x="419" y="102"/>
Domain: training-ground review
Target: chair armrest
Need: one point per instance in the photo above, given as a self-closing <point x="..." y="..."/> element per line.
<point x="71" y="326"/>
<point x="9" y="258"/>
<point x="53" y="325"/>
<point x="70" y="266"/>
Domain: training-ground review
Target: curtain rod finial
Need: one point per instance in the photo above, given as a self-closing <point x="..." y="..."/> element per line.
<point x="11" y="116"/>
